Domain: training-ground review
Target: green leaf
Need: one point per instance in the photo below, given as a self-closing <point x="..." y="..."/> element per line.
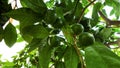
<point x="37" y="31"/>
<point x="50" y="3"/>
<point x="112" y="12"/>
<point x="34" y="44"/>
<point x="50" y="17"/>
<point x="44" y="56"/>
<point x="114" y="4"/>
<point x="10" y="35"/>
<point x="25" y="15"/>
<point x="60" y="65"/>
<point x="36" y="5"/>
<point x="71" y="58"/>
<point x="99" y="56"/>
<point x="84" y="2"/>
<point x="27" y="38"/>
<point x="105" y="33"/>
<point x="59" y="13"/>
<point x="8" y="65"/>
<point x="96" y="8"/>
<point x="20" y="39"/>
<point x="1" y="33"/>
<point x="68" y="34"/>
<point x="78" y="10"/>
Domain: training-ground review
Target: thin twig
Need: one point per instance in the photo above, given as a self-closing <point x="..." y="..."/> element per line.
<point x="85" y="9"/>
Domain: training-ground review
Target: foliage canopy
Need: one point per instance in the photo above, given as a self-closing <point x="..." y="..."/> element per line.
<point x="59" y="35"/>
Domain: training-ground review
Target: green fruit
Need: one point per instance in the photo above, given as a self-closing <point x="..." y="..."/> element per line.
<point x="77" y="28"/>
<point x="86" y="39"/>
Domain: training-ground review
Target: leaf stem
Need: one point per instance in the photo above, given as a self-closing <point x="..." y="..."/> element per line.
<point x="85" y="9"/>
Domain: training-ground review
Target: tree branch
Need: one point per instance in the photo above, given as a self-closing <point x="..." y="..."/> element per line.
<point x="108" y="21"/>
<point x="78" y="52"/>
<point x="85" y="9"/>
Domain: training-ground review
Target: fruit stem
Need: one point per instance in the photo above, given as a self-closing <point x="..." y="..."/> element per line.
<point x="78" y="52"/>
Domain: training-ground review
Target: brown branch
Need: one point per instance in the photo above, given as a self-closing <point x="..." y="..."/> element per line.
<point x="80" y="56"/>
<point x="108" y="21"/>
<point x="78" y="52"/>
<point x="83" y="10"/>
<point x="104" y="17"/>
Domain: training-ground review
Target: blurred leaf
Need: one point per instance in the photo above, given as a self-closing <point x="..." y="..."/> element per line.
<point x="105" y="58"/>
<point x="36" y="5"/>
<point x="4" y="7"/>
<point x="50" y="17"/>
<point x="95" y="17"/>
<point x="50" y="3"/>
<point x="71" y="58"/>
<point x="116" y="29"/>
<point x="112" y="12"/>
<point x="60" y="65"/>
<point x="37" y="31"/>
<point x="1" y="33"/>
<point x="20" y="39"/>
<point x="59" y="13"/>
<point x="27" y="38"/>
<point x="10" y="35"/>
<point x="68" y="34"/>
<point x="35" y="43"/>
<point x="45" y="56"/>
<point x="78" y="9"/>
<point x="105" y="33"/>
<point x="25" y="16"/>
<point x="84" y="2"/>
<point x="114" y="4"/>
<point x="59" y="52"/>
<point x="8" y="65"/>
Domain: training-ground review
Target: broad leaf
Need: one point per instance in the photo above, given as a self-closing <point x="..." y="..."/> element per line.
<point x="78" y="9"/>
<point x="59" y="13"/>
<point x="50" y="3"/>
<point x="35" y="43"/>
<point x="36" y="5"/>
<point x="71" y="58"/>
<point x="114" y="4"/>
<point x="68" y="34"/>
<point x="44" y="56"/>
<point x="1" y="33"/>
<point x="25" y="15"/>
<point x="95" y="17"/>
<point x="105" y="33"/>
<point x="37" y="31"/>
<point x="10" y="35"/>
<point x="50" y="17"/>
<point x="99" y="56"/>
<point x="60" y="65"/>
